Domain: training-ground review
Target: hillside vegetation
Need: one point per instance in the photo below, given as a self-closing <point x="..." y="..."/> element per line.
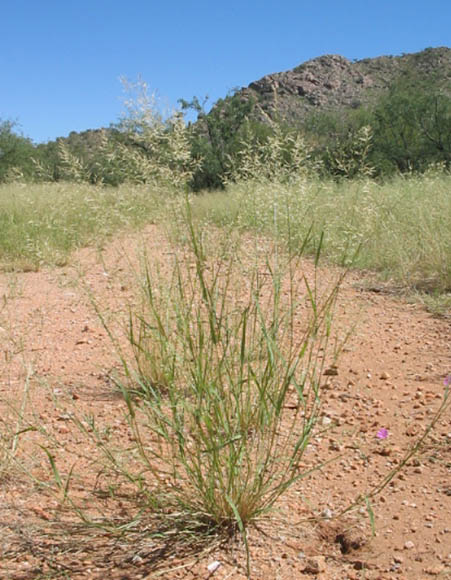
<point x="392" y="114"/>
<point x="368" y="186"/>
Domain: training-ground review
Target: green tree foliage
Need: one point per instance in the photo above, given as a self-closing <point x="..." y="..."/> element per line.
<point x="15" y="153"/>
<point x="407" y="128"/>
<point x="410" y="130"/>
<point x="412" y="127"/>
<point x="217" y="137"/>
<point x="342" y="143"/>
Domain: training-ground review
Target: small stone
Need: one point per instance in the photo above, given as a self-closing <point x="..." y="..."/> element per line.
<point x="360" y="565"/>
<point x="409" y="545"/>
<point x="384" y="451"/>
<point x="434" y="570"/>
<point x="40" y="512"/>
<point x="213" y="566"/>
<point x="315" y="565"/>
<point x="384" y="376"/>
<point x="64" y="417"/>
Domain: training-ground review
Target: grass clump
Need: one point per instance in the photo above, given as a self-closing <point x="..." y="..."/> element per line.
<point x="224" y="381"/>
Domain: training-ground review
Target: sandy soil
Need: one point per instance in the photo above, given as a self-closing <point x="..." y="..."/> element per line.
<point x="391" y="375"/>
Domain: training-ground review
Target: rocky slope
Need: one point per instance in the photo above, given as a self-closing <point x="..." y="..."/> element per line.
<point x="334" y="82"/>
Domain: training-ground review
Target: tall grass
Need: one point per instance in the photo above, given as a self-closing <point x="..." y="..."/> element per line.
<point x="401" y="228"/>
<point x="43" y="223"/>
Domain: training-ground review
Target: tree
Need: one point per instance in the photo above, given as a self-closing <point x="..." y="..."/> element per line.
<point x="216" y="137"/>
<point x="16" y="152"/>
<point x="412" y="125"/>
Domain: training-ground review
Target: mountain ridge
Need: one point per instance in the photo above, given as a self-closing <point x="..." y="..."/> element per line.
<point x="331" y="82"/>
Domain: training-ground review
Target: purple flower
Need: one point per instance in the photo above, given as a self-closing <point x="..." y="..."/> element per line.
<point x="382" y="433"/>
<point x="447" y="381"/>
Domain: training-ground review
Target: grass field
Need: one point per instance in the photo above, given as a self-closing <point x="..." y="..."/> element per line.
<point x="400" y="229"/>
<point x="41" y="224"/>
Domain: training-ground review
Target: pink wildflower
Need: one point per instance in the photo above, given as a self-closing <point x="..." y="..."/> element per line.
<point x="382" y="433"/>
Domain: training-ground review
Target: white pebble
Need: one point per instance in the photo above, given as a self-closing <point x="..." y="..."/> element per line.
<point x="213" y="566"/>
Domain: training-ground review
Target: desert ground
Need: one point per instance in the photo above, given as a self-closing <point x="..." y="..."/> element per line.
<point x="57" y="364"/>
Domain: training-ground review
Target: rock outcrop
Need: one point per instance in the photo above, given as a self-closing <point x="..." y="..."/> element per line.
<point x="332" y="82"/>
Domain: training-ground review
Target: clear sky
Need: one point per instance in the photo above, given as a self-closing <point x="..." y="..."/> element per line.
<point x="60" y="60"/>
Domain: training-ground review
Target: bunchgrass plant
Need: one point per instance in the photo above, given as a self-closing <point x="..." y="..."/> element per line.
<point x="223" y="378"/>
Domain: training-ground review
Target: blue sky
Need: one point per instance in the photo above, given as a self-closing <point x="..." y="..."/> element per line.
<point x="60" y="60"/>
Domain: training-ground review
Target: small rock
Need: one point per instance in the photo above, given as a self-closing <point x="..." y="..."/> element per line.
<point x="40" y="512"/>
<point x="360" y="565"/>
<point x="409" y="545"/>
<point x="315" y="565"/>
<point x="384" y="451"/>
<point x="213" y="566"/>
<point x="412" y="430"/>
<point x="64" y="417"/>
<point x="384" y="376"/>
<point x="434" y="570"/>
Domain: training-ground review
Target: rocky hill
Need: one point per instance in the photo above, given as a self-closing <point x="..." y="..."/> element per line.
<point x="333" y="82"/>
<point x="409" y="131"/>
